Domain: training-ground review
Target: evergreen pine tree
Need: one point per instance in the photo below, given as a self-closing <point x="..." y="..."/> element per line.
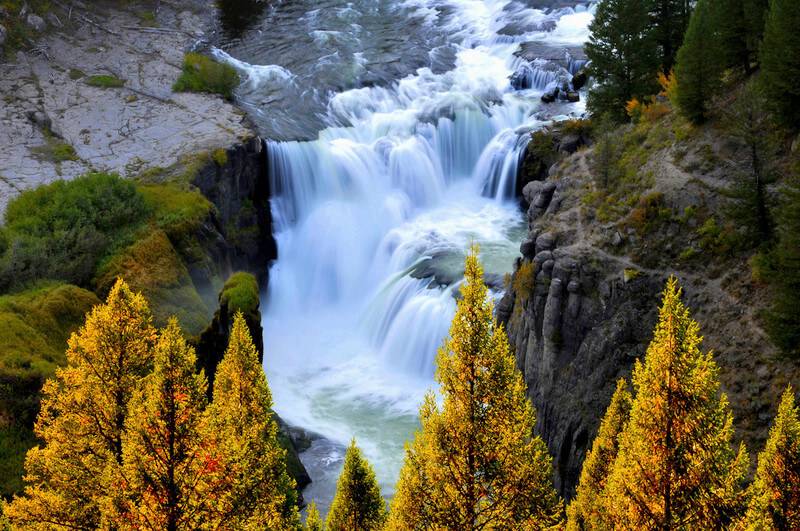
<point x="740" y="24"/>
<point x="164" y="482"/>
<point x="358" y="503"/>
<point x="783" y="318"/>
<point x="586" y="510"/>
<point x="775" y="493"/>
<point x="624" y="57"/>
<point x="748" y="122"/>
<point x="259" y="493"/>
<point x="780" y="60"/>
<point x="82" y="417"/>
<point x="313" y="521"/>
<point x="676" y="468"/>
<point x="699" y="66"/>
<point x="669" y="19"/>
<point x="475" y="463"/>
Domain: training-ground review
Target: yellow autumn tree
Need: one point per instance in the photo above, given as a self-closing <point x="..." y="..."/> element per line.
<point x="586" y="510"/>
<point x="475" y="463"/>
<point x="676" y="468"/>
<point x="258" y="492"/>
<point x="165" y="482"/>
<point x="358" y="503"/>
<point x="82" y="417"/>
<point x="313" y="520"/>
<point x="775" y="493"/>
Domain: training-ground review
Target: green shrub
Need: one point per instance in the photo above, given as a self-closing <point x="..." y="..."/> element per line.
<point x="203" y="74"/>
<point x="220" y="156"/>
<point x="177" y="210"/>
<point x="61" y="231"/>
<point x="105" y="81"/>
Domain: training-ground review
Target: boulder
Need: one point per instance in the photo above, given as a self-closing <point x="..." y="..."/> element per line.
<point x="35" y="22"/>
<point x="572" y="96"/>
<point x="551" y="95"/>
<point x="580" y="78"/>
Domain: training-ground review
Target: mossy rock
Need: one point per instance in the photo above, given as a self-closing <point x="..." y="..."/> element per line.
<point x="179" y="211"/>
<point x="240" y="293"/>
<point x="203" y="74"/>
<point x="152" y="266"/>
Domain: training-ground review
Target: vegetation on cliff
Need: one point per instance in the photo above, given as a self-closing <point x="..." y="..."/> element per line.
<point x="203" y="74"/>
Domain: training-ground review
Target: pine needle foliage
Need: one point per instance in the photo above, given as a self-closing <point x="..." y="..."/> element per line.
<point x="780" y="61"/>
<point x="475" y="463"/>
<point x="358" y="503"/>
<point x="258" y="492"/>
<point x="586" y="509"/>
<point x="676" y="468"/>
<point x="83" y="414"/>
<point x="313" y="520"/>
<point x="699" y="65"/>
<point x="164" y="480"/>
<point x="775" y="493"/>
<point x="624" y="57"/>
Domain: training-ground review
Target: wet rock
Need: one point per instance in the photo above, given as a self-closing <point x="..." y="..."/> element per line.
<point x="572" y="96"/>
<point x="35" y="22"/>
<point x="528" y="248"/>
<point x="580" y="78"/>
<point x="551" y="95"/>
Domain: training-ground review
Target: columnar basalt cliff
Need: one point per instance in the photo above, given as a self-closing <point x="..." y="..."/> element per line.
<point x="582" y="303"/>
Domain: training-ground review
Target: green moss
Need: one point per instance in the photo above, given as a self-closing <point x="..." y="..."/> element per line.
<point x="147" y="19"/>
<point x="55" y="151"/>
<point x="152" y="266"/>
<point x="75" y="74"/>
<point x="203" y="74"/>
<point x="220" y="156"/>
<point x="631" y="274"/>
<point x="34" y="327"/>
<point x="176" y="210"/>
<point x="105" y="81"/>
<point x="240" y="293"/>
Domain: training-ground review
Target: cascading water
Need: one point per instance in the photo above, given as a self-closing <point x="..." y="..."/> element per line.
<point x="373" y="216"/>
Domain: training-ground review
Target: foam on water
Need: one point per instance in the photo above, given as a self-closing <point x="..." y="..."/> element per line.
<point x="403" y="179"/>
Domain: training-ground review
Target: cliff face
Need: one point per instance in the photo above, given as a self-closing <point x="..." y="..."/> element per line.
<point x="239" y="191"/>
<point x="583" y="299"/>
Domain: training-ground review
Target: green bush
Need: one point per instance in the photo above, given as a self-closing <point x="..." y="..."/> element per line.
<point x="105" y="81"/>
<point x="240" y="293"/>
<point x="62" y="230"/>
<point x="202" y="74"/>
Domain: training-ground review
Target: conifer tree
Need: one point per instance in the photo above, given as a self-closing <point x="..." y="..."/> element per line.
<point x="358" y="503"/>
<point x="475" y="463"/>
<point x="780" y="60"/>
<point x="669" y="19"/>
<point x="740" y="24"/>
<point x="164" y="482"/>
<point x="783" y="319"/>
<point x="624" y="57"/>
<point x="586" y="509"/>
<point x="313" y="521"/>
<point x="699" y="66"/>
<point x="676" y="468"/>
<point x="775" y="492"/>
<point x="82" y="417"/>
<point x="258" y="493"/>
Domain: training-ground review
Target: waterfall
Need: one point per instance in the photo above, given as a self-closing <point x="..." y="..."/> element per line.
<point x="373" y="215"/>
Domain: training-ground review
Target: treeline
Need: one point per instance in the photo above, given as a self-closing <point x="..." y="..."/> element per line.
<point x="734" y="63"/>
<point x="128" y="441"/>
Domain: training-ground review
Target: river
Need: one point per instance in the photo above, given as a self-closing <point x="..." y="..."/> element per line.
<point x="395" y="139"/>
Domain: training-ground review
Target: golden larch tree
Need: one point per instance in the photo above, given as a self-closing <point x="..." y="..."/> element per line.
<point x="676" y="468"/>
<point x="165" y="482"/>
<point x="358" y="503"/>
<point x="586" y="509"/>
<point x="258" y="492"/>
<point x="476" y="463"/>
<point x="313" y="520"/>
<point x="775" y="493"/>
<point x="82" y="417"/>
